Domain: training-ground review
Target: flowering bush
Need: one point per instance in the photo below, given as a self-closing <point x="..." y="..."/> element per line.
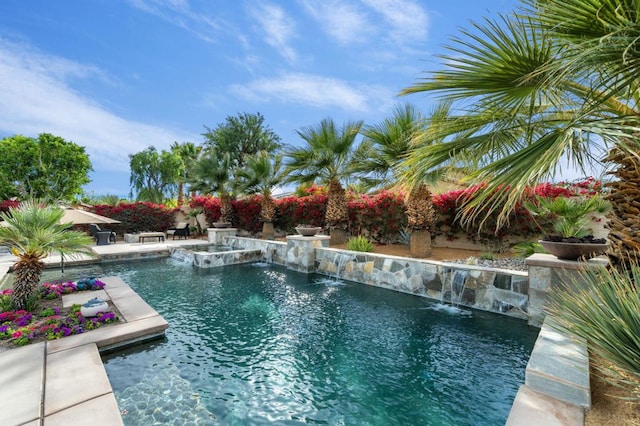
<point x="209" y="205"/>
<point x="5" y="205"/>
<point x="22" y="327"/>
<point x="247" y="214"/>
<point x="138" y="217"/>
<point x="292" y="211"/>
<point x="380" y="217"/>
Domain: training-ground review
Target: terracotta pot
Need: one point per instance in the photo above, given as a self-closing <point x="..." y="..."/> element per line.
<point x="574" y="251"/>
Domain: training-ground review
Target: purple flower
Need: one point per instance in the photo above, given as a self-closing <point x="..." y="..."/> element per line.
<point x="4" y="328"/>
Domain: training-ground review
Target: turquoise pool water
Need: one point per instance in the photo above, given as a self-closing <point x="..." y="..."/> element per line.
<point x="264" y="345"/>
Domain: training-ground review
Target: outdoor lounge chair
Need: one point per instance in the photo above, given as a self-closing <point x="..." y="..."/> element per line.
<point x="102" y="236"/>
<point x="182" y="230"/>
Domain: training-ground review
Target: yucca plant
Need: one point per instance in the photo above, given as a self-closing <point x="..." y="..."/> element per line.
<point x="360" y="243"/>
<point x="603" y="307"/>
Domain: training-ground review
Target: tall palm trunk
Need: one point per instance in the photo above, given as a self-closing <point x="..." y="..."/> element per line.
<point x="27" y="273"/>
<point x="624" y="219"/>
<point x="180" y="193"/>
<point x="420" y="218"/>
<point x="226" y="210"/>
<point x="337" y="215"/>
<point x="268" y="209"/>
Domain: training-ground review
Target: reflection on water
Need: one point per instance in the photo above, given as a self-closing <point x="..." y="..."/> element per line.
<point x="253" y="345"/>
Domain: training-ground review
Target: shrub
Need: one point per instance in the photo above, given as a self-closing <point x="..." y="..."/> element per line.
<point x="380" y="217"/>
<point x="138" y="217"/>
<point x="360" y="243"/>
<point x="247" y="214"/>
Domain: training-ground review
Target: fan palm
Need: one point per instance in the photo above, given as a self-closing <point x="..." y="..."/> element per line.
<point x="33" y="232"/>
<point x="327" y="158"/>
<point x="211" y="173"/>
<point x="558" y="81"/>
<point x="188" y="152"/>
<point x="384" y="146"/>
<point x="262" y="173"/>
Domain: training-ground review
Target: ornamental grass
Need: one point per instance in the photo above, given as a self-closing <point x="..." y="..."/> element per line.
<point x="603" y="307"/>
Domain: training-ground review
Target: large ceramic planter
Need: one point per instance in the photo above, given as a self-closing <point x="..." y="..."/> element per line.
<point x="308" y="231"/>
<point x="573" y="251"/>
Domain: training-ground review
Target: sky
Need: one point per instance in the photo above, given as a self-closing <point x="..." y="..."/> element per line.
<point x="118" y="76"/>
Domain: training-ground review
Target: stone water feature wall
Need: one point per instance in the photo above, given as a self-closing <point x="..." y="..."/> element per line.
<point x="495" y="290"/>
<point x="273" y="251"/>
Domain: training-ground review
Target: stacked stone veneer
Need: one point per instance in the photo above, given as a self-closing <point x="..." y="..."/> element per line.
<point x="272" y="251"/>
<point x="494" y="290"/>
<point x="547" y="272"/>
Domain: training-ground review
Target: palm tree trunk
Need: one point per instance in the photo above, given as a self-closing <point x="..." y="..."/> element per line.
<point x="624" y="219"/>
<point x="337" y="215"/>
<point x="420" y="218"/>
<point x="180" y="193"/>
<point x="27" y="276"/>
<point x="226" y="210"/>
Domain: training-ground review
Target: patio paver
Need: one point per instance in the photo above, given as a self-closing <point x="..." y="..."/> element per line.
<point x="74" y="376"/>
<point x="21" y="384"/>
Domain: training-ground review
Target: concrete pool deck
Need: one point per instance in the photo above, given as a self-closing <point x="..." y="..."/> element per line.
<point x="60" y="381"/>
<point x="34" y="389"/>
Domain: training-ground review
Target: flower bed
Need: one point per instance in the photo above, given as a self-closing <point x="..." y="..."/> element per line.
<point x="49" y="320"/>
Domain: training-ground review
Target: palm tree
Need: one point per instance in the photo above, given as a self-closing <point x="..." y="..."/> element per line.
<point x="386" y="144"/>
<point x="557" y="82"/>
<point x="211" y="173"/>
<point x="261" y="174"/>
<point x="327" y="158"/>
<point x="33" y="232"/>
<point x="188" y="152"/>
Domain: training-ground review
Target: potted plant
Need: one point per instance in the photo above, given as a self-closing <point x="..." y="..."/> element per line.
<point x="572" y="238"/>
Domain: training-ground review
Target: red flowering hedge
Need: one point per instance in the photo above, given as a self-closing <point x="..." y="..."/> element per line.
<point x="138" y="217"/>
<point x="292" y="211"/>
<point x="382" y="217"/>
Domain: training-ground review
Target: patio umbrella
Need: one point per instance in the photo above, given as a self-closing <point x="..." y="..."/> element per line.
<point x="83" y="217"/>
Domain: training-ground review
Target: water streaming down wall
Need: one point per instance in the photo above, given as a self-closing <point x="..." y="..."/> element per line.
<point x="489" y="289"/>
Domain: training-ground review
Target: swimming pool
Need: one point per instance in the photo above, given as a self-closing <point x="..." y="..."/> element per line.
<point x="258" y="345"/>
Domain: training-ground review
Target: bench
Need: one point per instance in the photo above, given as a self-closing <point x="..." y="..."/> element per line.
<point x="143" y="236"/>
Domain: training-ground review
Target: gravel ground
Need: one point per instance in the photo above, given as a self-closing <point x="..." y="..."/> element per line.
<point x="511" y="263"/>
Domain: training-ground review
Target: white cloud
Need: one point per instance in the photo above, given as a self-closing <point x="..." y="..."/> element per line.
<point x="344" y="22"/>
<point x="180" y="14"/>
<point x="278" y="27"/>
<point x="407" y="20"/>
<point x="37" y="98"/>
<point x="400" y="21"/>
<point x="316" y="91"/>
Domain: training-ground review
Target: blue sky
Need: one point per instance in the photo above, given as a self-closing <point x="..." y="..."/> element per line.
<point x="119" y="76"/>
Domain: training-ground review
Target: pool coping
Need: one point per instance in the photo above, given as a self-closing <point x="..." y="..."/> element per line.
<point x="530" y="404"/>
<point x="63" y="380"/>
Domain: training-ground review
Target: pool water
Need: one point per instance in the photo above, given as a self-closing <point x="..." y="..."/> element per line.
<point x="264" y="345"/>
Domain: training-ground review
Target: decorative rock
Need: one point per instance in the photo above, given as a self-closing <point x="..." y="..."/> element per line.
<point x="93" y="306"/>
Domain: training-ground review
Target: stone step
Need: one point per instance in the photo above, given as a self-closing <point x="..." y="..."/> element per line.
<point x="532" y="408"/>
<point x="559" y="366"/>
